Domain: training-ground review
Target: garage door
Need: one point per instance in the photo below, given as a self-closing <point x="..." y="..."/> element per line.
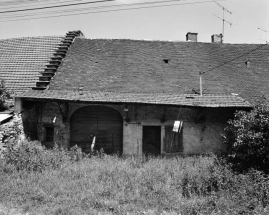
<point x="103" y="123"/>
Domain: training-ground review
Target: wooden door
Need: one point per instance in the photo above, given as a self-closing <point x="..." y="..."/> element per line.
<point x="152" y="140"/>
<point x="103" y="123"/>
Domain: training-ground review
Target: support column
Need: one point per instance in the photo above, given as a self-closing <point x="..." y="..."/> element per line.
<point x="18" y="105"/>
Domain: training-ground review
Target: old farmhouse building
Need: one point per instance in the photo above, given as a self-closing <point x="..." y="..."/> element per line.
<point x="125" y="95"/>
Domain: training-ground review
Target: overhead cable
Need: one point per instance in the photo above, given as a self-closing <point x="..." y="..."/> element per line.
<point x="41" y="8"/>
<point x="20" y="4"/>
<point x="234" y="58"/>
<point x="92" y="8"/>
<point x="105" y="11"/>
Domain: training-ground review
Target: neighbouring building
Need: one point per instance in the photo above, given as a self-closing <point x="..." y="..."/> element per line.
<point x="22" y="60"/>
<point x="127" y="94"/>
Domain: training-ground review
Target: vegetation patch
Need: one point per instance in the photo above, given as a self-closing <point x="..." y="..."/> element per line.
<point x="4" y="95"/>
<point x="41" y="181"/>
<point x="248" y="139"/>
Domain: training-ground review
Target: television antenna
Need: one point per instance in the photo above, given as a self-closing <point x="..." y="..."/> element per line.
<point x="223" y="19"/>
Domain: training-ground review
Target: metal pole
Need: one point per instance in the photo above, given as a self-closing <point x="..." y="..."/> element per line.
<point x="222" y="27"/>
<point x="201" y="84"/>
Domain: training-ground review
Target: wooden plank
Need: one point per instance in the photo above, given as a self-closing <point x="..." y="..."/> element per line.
<point x="5" y="117"/>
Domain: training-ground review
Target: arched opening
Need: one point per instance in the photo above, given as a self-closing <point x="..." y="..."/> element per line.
<point x="103" y="123"/>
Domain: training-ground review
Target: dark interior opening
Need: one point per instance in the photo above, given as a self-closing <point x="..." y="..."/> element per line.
<point x="152" y="140"/>
<point x="49" y="134"/>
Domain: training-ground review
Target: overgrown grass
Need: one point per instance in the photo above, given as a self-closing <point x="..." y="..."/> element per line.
<point x="131" y="185"/>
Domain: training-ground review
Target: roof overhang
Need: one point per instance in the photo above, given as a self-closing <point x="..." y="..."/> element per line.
<point x="191" y="100"/>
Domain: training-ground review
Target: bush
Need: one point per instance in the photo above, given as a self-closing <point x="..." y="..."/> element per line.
<point x="4" y="95"/>
<point x="32" y="156"/>
<point x="248" y="139"/>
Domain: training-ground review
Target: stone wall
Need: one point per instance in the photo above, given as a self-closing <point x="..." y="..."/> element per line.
<point x="202" y="127"/>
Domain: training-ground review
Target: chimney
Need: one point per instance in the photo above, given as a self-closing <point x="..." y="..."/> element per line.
<point x="191" y="37"/>
<point x="216" y="38"/>
<point x="248" y="63"/>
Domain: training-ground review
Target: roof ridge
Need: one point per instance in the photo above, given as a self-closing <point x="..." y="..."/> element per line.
<point x="172" y="41"/>
<point x="54" y="36"/>
<point x="139" y="40"/>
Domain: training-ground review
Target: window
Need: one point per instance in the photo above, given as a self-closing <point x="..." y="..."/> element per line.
<point x="173" y="140"/>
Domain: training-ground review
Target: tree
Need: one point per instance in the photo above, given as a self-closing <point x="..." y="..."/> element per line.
<point x="248" y="139"/>
<point x="4" y="95"/>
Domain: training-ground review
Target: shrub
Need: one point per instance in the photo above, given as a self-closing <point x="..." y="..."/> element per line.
<point x="32" y="156"/>
<point x="4" y="95"/>
<point x="248" y="139"/>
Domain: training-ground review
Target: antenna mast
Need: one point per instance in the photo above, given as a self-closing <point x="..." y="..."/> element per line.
<point x="223" y="20"/>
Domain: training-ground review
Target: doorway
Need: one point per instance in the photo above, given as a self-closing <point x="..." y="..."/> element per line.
<point x="103" y="123"/>
<point x="151" y="140"/>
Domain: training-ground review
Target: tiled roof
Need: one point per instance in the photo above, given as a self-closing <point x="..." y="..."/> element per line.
<point x="136" y="66"/>
<point x="23" y="59"/>
<point x="141" y="98"/>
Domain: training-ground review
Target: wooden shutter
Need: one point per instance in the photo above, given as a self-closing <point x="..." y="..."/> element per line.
<point x="173" y="140"/>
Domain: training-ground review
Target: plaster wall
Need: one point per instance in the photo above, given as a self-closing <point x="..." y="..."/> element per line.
<point x="132" y="139"/>
<point x="202" y="128"/>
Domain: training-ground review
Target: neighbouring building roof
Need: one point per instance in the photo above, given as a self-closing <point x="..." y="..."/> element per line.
<point x="23" y="59"/>
<point x="160" y="72"/>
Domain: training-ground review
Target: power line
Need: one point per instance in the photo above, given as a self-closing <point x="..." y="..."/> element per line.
<point x="201" y="73"/>
<point x="20" y="3"/>
<point x="41" y="8"/>
<point x="105" y="11"/>
<point x="94" y="8"/>
<point x="265" y="31"/>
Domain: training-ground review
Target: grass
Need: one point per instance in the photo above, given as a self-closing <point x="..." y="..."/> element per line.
<point x="131" y="185"/>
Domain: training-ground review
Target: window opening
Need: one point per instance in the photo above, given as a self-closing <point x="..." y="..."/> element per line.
<point x="49" y="134"/>
<point x="166" y="60"/>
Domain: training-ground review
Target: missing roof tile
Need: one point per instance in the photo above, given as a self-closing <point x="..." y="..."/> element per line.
<point x="166" y="60"/>
<point x="189" y="97"/>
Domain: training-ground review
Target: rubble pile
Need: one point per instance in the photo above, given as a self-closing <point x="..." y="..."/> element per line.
<point x="11" y="131"/>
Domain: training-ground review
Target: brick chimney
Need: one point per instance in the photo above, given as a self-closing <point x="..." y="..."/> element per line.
<point x="216" y="38"/>
<point x="191" y="37"/>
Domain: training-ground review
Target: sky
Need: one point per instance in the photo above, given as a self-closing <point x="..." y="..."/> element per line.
<point x="169" y="23"/>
